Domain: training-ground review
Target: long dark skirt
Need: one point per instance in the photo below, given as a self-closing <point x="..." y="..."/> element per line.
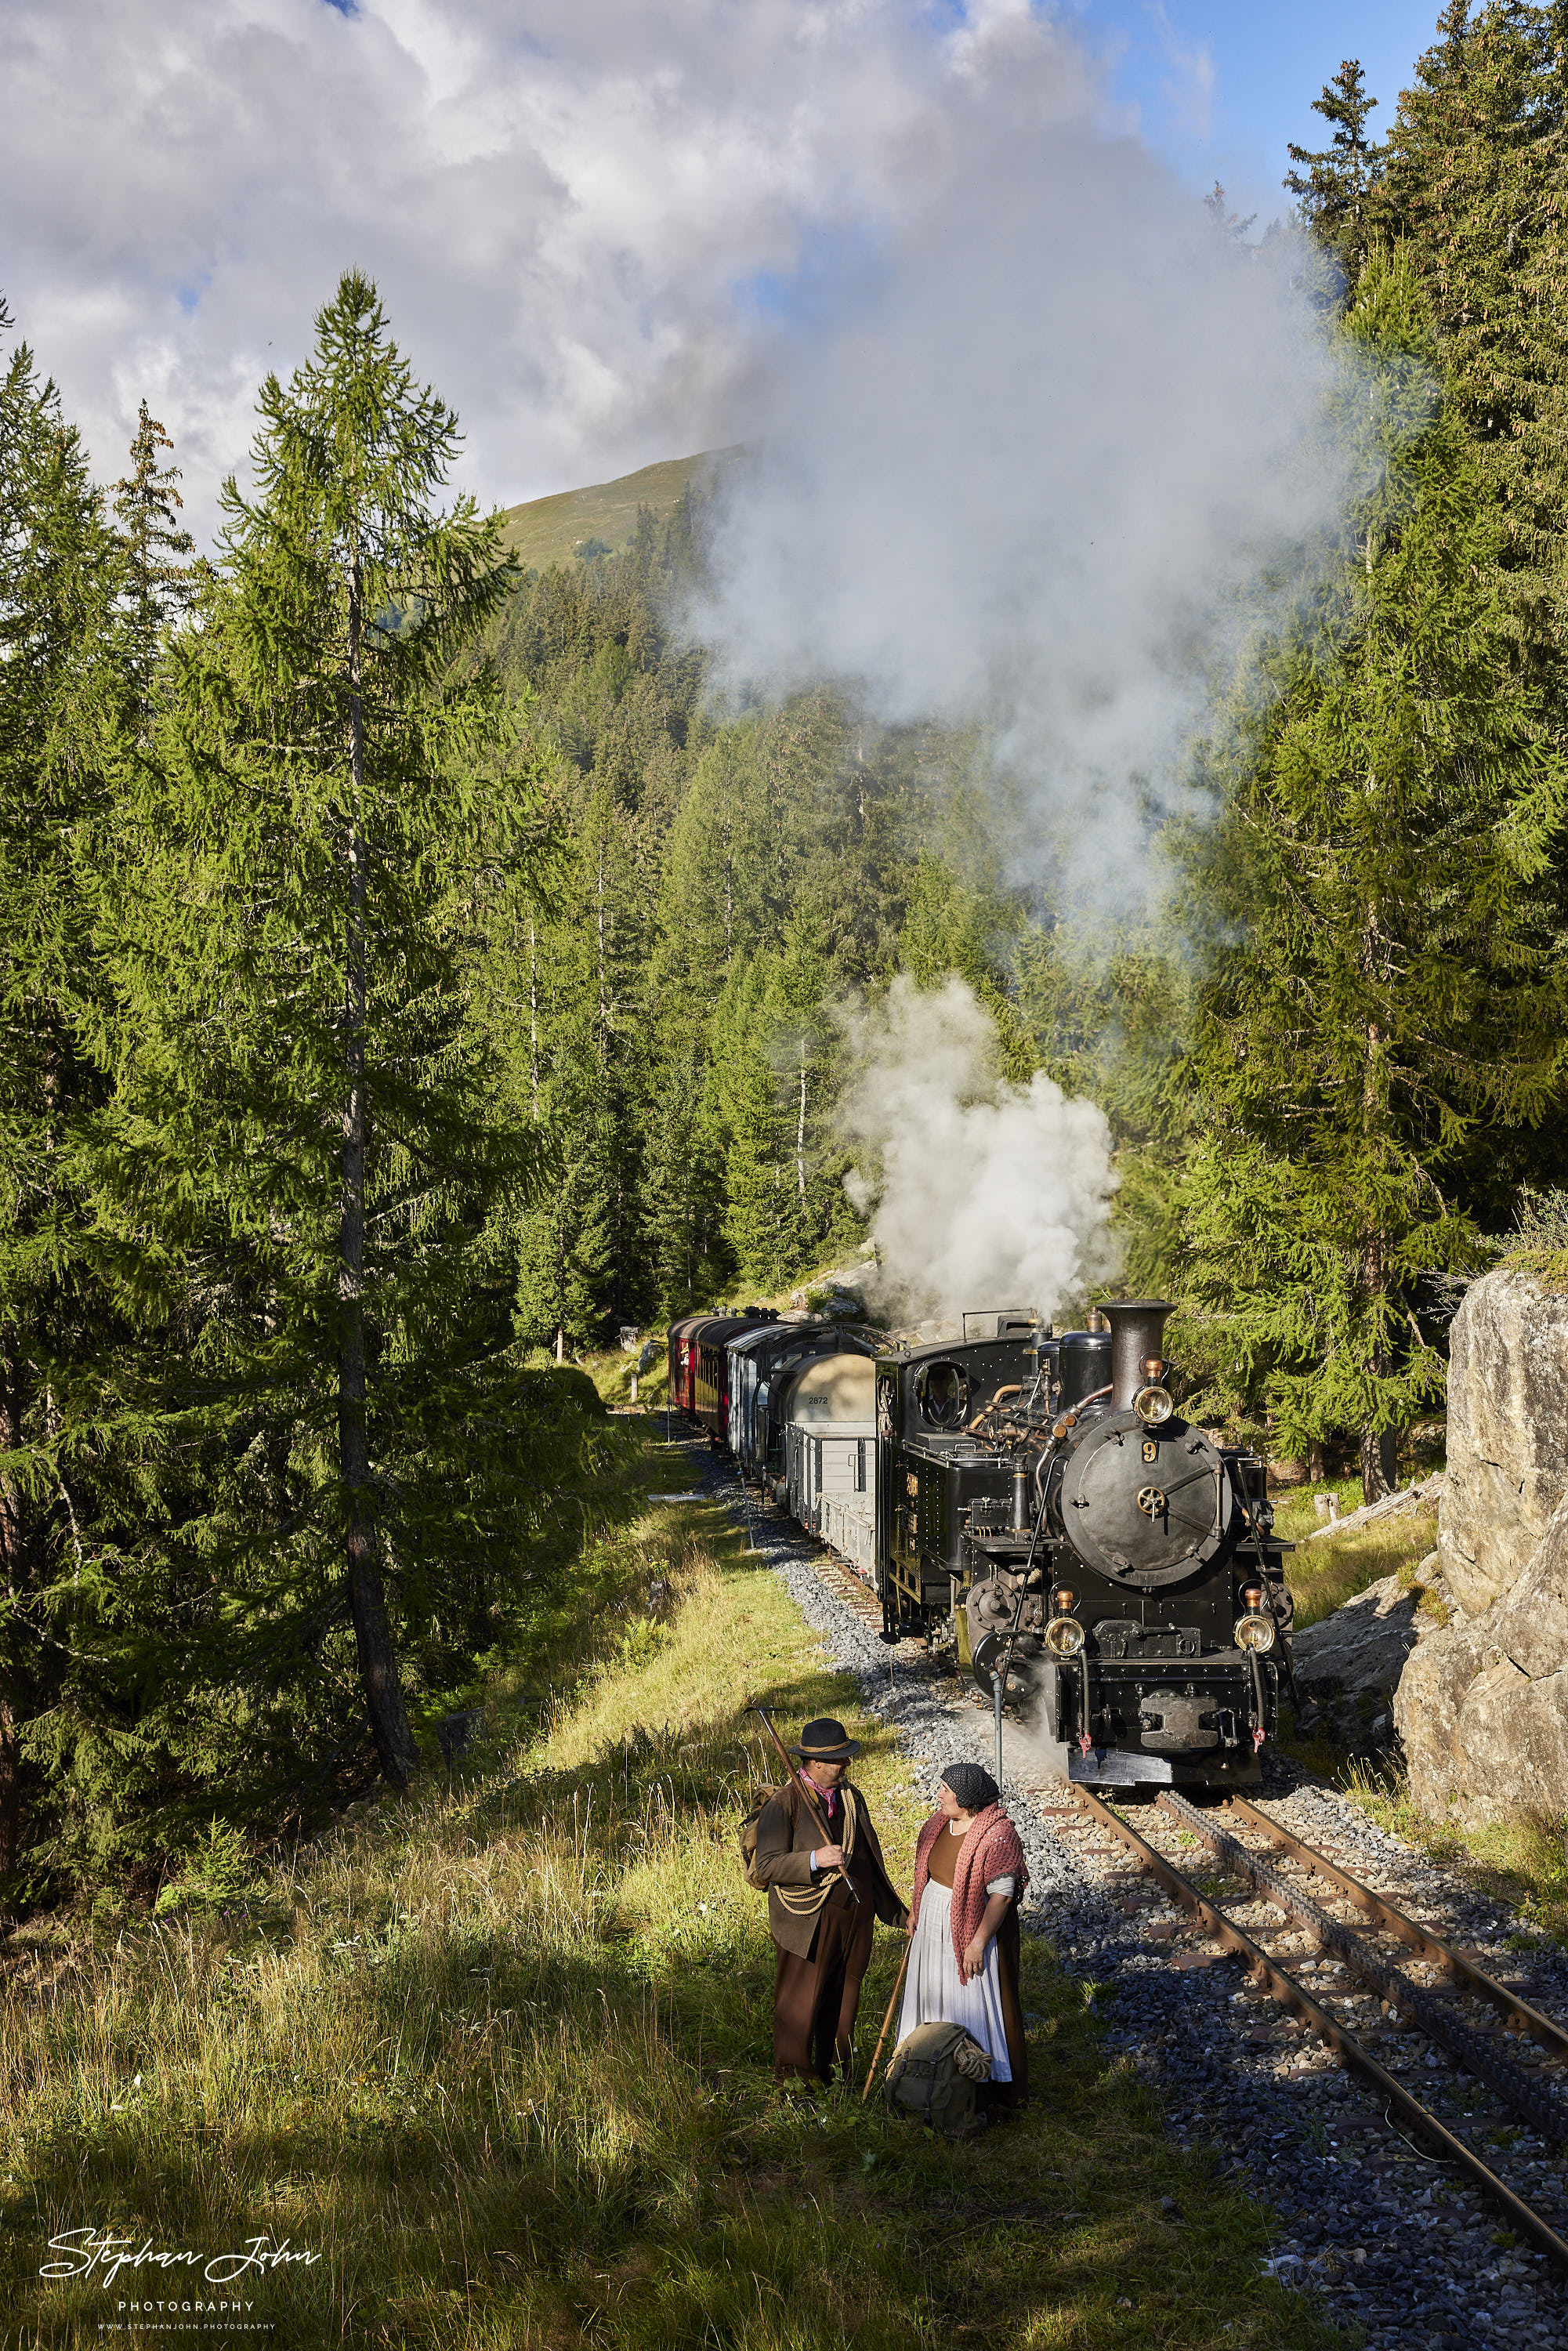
<point x="1016" y="2092"/>
<point x="815" y="2001"/>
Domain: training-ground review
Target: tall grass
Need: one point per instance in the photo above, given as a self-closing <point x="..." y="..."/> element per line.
<point x="496" y="2055"/>
<point x="1325" y="1573"/>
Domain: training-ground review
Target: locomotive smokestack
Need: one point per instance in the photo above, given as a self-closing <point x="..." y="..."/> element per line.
<point x="1137" y="1337"/>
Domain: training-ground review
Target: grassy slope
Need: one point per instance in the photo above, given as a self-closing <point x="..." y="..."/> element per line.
<point x="543" y="531"/>
<point x="1324" y="1574"/>
<point x="499" y="2053"/>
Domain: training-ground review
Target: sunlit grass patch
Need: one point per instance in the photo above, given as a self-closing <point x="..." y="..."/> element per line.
<point x="1324" y="1575"/>
<point x="499" y="2055"/>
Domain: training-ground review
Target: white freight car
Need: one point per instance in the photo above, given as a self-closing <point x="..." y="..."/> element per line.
<point x="829" y="1448"/>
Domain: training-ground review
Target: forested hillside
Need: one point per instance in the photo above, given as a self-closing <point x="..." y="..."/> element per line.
<point x="413" y="971"/>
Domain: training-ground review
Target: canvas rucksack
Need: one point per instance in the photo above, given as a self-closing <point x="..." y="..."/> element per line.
<point x="933" y="2076"/>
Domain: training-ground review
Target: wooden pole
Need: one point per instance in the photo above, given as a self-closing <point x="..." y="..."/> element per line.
<point x="887" y="2019"/>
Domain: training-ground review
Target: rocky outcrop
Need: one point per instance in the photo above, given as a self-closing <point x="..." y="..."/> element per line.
<point x="1482" y="1708"/>
<point x="1508" y="1435"/>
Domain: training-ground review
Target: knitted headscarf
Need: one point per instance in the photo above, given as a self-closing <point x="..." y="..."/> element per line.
<point x="972" y="1786"/>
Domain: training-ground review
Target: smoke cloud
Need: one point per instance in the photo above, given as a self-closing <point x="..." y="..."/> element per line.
<point x="980" y="1194"/>
<point x="1029" y="455"/>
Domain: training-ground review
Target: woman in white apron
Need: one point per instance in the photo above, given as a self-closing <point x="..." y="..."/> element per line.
<point x="969" y="1878"/>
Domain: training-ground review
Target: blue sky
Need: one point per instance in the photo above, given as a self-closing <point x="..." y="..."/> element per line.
<point x="1223" y="86"/>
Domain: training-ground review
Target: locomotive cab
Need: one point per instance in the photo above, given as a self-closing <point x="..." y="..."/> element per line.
<point x="935" y="1463"/>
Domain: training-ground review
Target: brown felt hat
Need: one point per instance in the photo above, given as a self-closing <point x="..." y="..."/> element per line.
<point x="826" y="1741"/>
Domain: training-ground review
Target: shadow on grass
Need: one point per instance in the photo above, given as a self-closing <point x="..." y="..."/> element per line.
<point x="506" y="2071"/>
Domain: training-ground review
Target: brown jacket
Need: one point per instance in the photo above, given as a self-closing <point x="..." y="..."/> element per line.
<point x="786" y="1840"/>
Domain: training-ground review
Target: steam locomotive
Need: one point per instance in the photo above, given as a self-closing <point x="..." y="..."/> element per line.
<point x="1039" y="1501"/>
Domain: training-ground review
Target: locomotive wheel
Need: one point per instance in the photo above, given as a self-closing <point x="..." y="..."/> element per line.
<point x="987" y="1662"/>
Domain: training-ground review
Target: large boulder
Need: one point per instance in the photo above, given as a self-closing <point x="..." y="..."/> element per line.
<point x="1482" y="1707"/>
<point x="1508" y="1435"/>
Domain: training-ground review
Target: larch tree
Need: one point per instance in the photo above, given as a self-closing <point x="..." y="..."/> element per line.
<point x="59" y="703"/>
<point x="306" y="1110"/>
<point x="158" y="576"/>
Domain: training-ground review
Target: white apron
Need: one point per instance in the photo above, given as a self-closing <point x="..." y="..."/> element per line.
<point x="934" y="1991"/>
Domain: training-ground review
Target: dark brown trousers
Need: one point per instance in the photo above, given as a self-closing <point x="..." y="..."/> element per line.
<point x="815" y="2001"/>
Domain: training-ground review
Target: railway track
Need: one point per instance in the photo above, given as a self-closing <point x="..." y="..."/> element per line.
<point x="1349" y="1981"/>
<point x="1384" y="1991"/>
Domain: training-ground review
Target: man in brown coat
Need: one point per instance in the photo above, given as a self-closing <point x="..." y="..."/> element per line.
<point x="823" y="1932"/>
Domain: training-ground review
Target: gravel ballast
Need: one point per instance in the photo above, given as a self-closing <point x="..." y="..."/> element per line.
<point x="1400" y="2245"/>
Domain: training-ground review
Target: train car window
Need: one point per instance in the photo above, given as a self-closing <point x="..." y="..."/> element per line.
<point x="943" y="1393"/>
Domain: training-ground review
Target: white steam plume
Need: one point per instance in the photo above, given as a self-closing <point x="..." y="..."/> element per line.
<point x="990" y="1195"/>
<point x="1030" y="452"/>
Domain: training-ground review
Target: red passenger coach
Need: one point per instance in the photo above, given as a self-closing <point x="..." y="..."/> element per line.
<point x="709" y="1342"/>
<point x="682" y="1388"/>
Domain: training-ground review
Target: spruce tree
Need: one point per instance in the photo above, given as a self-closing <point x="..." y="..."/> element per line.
<point x="764" y="1223"/>
<point x="1386" y="982"/>
<point x="683" y="1180"/>
<point x="1473" y="183"/>
<point x="1334" y="189"/>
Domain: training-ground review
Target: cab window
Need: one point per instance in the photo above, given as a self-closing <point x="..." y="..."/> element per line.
<point x="942" y="1393"/>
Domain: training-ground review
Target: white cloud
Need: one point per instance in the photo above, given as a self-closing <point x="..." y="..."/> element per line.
<point x="563" y="204"/>
<point x="1029" y="422"/>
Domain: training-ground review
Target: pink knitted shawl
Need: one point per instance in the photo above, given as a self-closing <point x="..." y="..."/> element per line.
<point x="990" y="1849"/>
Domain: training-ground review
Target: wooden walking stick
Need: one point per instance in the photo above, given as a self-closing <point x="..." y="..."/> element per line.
<point x="818" y="1822"/>
<point x="887" y="2019"/>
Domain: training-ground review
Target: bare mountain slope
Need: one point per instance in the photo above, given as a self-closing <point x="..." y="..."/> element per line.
<point x="543" y="531"/>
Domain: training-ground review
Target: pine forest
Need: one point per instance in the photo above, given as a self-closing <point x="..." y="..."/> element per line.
<point x="415" y="973"/>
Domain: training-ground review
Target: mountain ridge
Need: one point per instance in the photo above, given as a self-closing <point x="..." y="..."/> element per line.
<point x="602" y="516"/>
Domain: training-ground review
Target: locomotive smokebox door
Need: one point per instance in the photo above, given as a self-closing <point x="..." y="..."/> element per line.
<point x="1145" y="1508"/>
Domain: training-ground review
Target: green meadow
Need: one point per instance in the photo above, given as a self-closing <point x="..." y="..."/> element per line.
<point x="497" y="2056"/>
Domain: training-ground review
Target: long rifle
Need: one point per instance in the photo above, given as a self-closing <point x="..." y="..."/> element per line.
<point x="818" y="1822"/>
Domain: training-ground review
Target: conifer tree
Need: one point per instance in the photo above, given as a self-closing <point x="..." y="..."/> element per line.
<point x="682" y="1181"/>
<point x="1334" y="189"/>
<point x="1392" y="982"/>
<point x="1472" y="181"/>
<point x="157" y="575"/>
<point x="764" y="1222"/>
<point x="303" y="1108"/>
<point x="58" y="692"/>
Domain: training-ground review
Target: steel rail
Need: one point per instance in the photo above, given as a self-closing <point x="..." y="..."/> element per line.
<point x="1416" y="1938"/>
<point x="1538" y="2100"/>
<point x="1289" y="1993"/>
